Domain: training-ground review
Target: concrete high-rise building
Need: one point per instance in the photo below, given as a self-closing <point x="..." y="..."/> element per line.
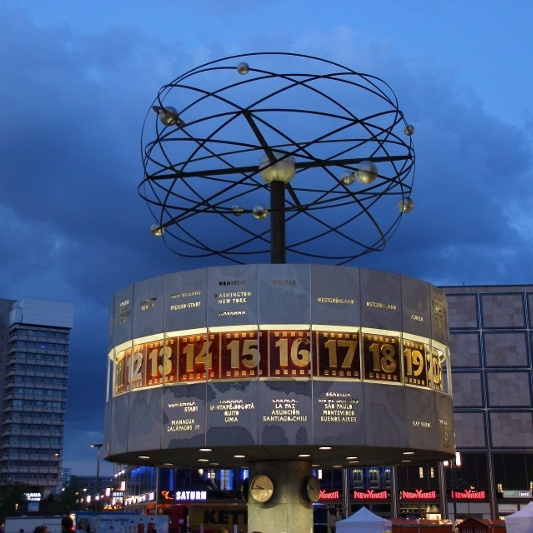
<point x="34" y="349"/>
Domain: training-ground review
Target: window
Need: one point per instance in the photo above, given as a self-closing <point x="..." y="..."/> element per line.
<point x="358" y="479"/>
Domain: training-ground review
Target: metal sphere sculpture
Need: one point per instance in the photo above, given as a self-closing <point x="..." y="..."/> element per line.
<point x="232" y="130"/>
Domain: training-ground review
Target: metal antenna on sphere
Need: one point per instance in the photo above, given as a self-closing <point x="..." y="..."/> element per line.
<point x="247" y="126"/>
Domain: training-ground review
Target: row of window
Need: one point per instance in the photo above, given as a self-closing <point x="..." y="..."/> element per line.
<point x="508" y="349"/>
<point x="21" y="416"/>
<point x="38" y="369"/>
<point x="511" y="471"/>
<point x="32" y="427"/>
<point x="27" y="380"/>
<point x="28" y="440"/>
<point x="42" y="345"/>
<point x="373" y="478"/>
<point x="46" y="333"/>
<point x="29" y="477"/>
<point x="27" y="391"/>
<point x="46" y="358"/>
<point x="13" y="451"/>
<point x="490" y="310"/>
<point x="33" y="404"/>
<point x="35" y="464"/>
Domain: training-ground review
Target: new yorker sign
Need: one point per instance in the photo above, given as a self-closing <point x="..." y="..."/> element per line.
<point x="469" y="494"/>
<point x="329" y="495"/>
<point x="370" y="495"/>
<point x="418" y="494"/>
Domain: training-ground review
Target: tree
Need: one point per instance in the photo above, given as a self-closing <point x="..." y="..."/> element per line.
<point x="71" y="498"/>
<point x="12" y="499"/>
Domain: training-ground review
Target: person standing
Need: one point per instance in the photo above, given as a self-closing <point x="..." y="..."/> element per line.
<point x="67" y="524"/>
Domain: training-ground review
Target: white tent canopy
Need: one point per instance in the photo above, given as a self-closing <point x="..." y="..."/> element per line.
<point x="521" y="521"/>
<point x="363" y="521"/>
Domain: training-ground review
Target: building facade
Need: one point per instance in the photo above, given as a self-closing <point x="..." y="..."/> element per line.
<point x="491" y="342"/>
<point x="34" y="349"/>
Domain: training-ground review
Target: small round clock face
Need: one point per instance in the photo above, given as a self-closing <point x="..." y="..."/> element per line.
<point x="312" y="489"/>
<point x="261" y="488"/>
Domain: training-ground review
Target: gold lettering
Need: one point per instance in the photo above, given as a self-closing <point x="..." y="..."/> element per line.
<point x="186" y="294"/>
<point x="148" y="303"/>
<point x="381" y="305"/>
<point x="236" y="294"/>
<point x="285" y="418"/>
<point x="335" y="300"/>
<point x="185" y="424"/>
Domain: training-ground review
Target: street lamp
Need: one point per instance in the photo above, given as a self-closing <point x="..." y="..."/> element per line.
<point x="454" y="464"/>
<point x="97" y="474"/>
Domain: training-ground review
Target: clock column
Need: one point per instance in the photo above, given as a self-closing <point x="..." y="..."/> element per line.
<point x="289" y="509"/>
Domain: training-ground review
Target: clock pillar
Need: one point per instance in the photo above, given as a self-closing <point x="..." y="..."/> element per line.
<point x="289" y="509"/>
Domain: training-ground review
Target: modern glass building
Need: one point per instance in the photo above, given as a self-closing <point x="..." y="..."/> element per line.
<point x="34" y="348"/>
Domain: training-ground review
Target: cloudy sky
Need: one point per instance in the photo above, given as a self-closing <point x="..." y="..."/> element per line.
<point x="77" y="78"/>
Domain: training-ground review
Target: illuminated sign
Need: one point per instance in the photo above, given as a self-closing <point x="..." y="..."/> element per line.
<point x="33" y="496"/>
<point x="417" y="364"/>
<point x="190" y="495"/>
<point x="337" y="355"/>
<point x="183" y="495"/>
<point x="370" y="495"/>
<point x="468" y="494"/>
<point x="329" y="495"/>
<point x="146" y="497"/>
<point x="418" y="494"/>
<point x="381" y="357"/>
<point x="517" y="494"/>
<point x="187" y="358"/>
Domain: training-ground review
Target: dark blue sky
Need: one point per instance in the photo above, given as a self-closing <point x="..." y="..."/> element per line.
<point x="78" y="77"/>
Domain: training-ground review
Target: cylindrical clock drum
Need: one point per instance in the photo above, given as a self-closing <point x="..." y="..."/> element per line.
<point x="278" y="368"/>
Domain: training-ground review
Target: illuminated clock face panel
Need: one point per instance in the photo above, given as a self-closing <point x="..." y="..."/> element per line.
<point x="257" y="356"/>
